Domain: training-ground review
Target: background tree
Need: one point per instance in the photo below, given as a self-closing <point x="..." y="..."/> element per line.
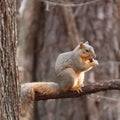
<point x="48" y="33"/>
<point x="9" y="99"/>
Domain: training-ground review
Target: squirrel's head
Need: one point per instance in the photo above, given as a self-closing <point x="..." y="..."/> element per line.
<point x="85" y="50"/>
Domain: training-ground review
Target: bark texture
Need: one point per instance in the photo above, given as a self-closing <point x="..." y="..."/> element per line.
<point x="9" y="99"/>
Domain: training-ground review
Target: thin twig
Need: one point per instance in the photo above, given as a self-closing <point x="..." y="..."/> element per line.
<point x="69" y="4"/>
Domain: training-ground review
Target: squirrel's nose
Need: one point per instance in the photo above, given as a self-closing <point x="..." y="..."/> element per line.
<point x="93" y="55"/>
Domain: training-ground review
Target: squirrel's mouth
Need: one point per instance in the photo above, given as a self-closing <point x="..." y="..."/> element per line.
<point x="91" y="59"/>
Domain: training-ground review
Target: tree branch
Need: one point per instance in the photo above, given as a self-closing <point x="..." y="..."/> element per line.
<point x="89" y="89"/>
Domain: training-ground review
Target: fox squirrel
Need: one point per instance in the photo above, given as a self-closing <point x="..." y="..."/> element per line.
<point x="70" y="68"/>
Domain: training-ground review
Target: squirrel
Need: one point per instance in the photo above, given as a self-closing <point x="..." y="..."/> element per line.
<point x="70" y="68"/>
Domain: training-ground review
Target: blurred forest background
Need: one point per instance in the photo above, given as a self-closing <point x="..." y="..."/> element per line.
<point x="47" y="29"/>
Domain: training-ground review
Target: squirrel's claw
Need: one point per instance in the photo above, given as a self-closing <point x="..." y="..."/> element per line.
<point x="79" y="90"/>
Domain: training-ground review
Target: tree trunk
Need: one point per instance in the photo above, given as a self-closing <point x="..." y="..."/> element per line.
<point x="9" y="98"/>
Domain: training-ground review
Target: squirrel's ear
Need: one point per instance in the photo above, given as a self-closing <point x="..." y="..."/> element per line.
<point x="81" y="45"/>
<point x="86" y="42"/>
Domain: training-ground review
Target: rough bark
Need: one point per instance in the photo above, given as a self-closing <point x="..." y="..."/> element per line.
<point x="9" y="98"/>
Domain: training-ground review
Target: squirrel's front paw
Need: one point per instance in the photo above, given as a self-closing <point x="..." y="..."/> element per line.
<point x="95" y="62"/>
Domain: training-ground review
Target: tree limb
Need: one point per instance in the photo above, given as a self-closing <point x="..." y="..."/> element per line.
<point x="88" y="89"/>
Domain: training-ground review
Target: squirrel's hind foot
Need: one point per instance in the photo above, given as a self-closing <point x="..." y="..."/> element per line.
<point x="79" y="90"/>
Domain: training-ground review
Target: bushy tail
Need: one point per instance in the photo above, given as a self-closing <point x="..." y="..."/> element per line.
<point x="28" y="91"/>
<point x="41" y="87"/>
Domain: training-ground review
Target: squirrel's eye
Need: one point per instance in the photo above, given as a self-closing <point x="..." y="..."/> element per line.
<point x="87" y="50"/>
